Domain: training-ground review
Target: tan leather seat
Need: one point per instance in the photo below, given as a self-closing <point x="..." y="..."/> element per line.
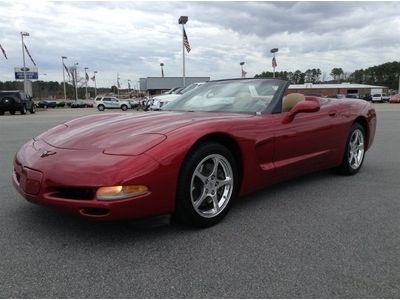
<point x="291" y="100"/>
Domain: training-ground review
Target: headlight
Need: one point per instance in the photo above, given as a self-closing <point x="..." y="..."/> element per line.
<point x="120" y="192"/>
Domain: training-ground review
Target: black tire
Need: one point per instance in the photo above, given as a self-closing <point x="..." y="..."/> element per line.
<point x="23" y="110"/>
<point x="33" y="109"/>
<point x="101" y="107"/>
<point x="124" y="107"/>
<point x="346" y="167"/>
<point x="12" y="112"/>
<point x="185" y="211"/>
<point x="1" y="112"/>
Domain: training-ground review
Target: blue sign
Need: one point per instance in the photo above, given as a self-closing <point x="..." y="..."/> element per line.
<point x="31" y="73"/>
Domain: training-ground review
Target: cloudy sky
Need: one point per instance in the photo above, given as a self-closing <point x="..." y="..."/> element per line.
<point x="132" y="38"/>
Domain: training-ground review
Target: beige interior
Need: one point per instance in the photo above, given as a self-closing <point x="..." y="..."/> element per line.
<point x="290" y="100"/>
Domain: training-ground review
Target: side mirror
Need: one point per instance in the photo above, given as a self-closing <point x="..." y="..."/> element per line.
<point x="301" y="107"/>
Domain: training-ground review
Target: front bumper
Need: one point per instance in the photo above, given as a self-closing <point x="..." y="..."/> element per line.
<point x="68" y="180"/>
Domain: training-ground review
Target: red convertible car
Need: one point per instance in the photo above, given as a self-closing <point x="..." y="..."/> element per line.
<point x="224" y="139"/>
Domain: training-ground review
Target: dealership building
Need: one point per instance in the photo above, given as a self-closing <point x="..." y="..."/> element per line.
<point x="157" y="85"/>
<point x="335" y="89"/>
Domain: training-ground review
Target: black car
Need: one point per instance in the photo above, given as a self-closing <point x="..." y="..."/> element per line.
<point x="47" y="104"/>
<point x="13" y="101"/>
<point x="79" y="104"/>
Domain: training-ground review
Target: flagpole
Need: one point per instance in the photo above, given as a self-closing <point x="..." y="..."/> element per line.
<point x="183" y="20"/>
<point x="23" y="57"/>
<point x="95" y="84"/>
<point x="86" y="78"/>
<point x="63" y="68"/>
<point x="76" y="80"/>
<point x="183" y="58"/>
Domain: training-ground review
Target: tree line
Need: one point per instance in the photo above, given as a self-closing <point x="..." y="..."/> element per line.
<point x="386" y="74"/>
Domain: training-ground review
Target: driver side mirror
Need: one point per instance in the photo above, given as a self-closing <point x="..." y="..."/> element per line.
<point x="301" y="107"/>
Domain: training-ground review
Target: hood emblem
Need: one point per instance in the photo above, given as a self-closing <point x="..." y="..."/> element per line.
<point x="47" y="153"/>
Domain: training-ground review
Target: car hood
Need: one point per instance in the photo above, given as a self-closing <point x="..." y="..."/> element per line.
<point x="139" y="132"/>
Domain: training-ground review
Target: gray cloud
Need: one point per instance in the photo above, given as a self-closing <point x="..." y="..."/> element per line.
<point x="132" y="38"/>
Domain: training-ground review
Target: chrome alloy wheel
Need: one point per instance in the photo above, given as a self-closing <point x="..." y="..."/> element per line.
<point x="356" y="149"/>
<point x="211" y="185"/>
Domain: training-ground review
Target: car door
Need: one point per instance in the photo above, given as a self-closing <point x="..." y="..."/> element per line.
<point x="114" y="102"/>
<point x="305" y="144"/>
<point x="107" y="102"/>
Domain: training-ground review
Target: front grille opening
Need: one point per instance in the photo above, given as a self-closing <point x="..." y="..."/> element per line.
<point x="94" y="211"/>
<point x="74" y="193"/>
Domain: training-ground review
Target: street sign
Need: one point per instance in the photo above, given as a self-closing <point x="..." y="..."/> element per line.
<point x="31" y="73"/>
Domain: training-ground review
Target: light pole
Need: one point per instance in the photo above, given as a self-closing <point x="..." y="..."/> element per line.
<point x="86" y="80"/>
<point x="129" y="86"/>
<point x="63" y="68"/>
<point x="23" y="58"/>
<point x="183" y="20"/>
<point x="76" y="81"/>
<point x="274" y="50"/>
<point x="162" y="69"/>
<point x="95" y="84"/>
<point x="241" y="65"/>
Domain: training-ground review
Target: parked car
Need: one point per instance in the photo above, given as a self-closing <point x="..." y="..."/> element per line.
<point x="47" y="104"/>
<point x="79" y="104"/>
<point x="385" y="98"/>
<point x="60" y="104"/>
<point x="111" y="103"/>
<point x="353" y="96"/>
<point x="377" y="98"/>
<point x="395" y="99"/>
<point x="160" y="101"/>
<point x="224" y="139"/>
<point x="13" y="101"/>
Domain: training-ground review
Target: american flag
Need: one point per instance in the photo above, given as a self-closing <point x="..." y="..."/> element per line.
<point x="87" y="76"/>
<point x="4" y="52"/>
<point x="93" y="78"/>
<point x="274" y="65"/>
<point x="186" y="41"/>
<point x="244" y="73"/>
<point x="26" y="48"/>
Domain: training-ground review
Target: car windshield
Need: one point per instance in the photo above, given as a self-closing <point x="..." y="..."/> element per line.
<point x="188" y="88"/>
<point x="245" y="96"/>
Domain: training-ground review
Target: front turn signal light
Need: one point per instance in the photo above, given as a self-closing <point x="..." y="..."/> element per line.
<point x="120" y="191"/>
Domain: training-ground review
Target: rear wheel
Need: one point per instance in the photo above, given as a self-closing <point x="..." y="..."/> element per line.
<point x="355" y="150"/>
<point x="12" y="112"/>
<point x="208" y="183"/>
<point x="101" y="107"/>
<point x="1" y="112"/>
<point x="124" y="107"/>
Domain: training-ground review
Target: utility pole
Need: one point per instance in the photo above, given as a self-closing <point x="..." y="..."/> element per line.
<point x="63" y="67"/>
<point x="76" y="81"/>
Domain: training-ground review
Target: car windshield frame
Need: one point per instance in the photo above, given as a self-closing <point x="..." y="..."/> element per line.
<point x="263" y="96"/>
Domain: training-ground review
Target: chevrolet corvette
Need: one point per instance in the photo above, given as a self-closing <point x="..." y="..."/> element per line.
<point x="220" y="141"/>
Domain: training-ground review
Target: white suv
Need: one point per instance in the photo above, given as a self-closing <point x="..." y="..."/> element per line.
<point x="111" y="102"/>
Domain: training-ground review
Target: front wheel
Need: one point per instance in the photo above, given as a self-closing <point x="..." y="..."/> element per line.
<point x="355" y="150"/>
<point x="208" y="183"/>
<point x="100" y="107"/>
<point x="33" y="109"/>
<point x="124" y="107"/>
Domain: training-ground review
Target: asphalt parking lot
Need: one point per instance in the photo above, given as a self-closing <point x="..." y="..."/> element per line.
<point x="319" y="236"/>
